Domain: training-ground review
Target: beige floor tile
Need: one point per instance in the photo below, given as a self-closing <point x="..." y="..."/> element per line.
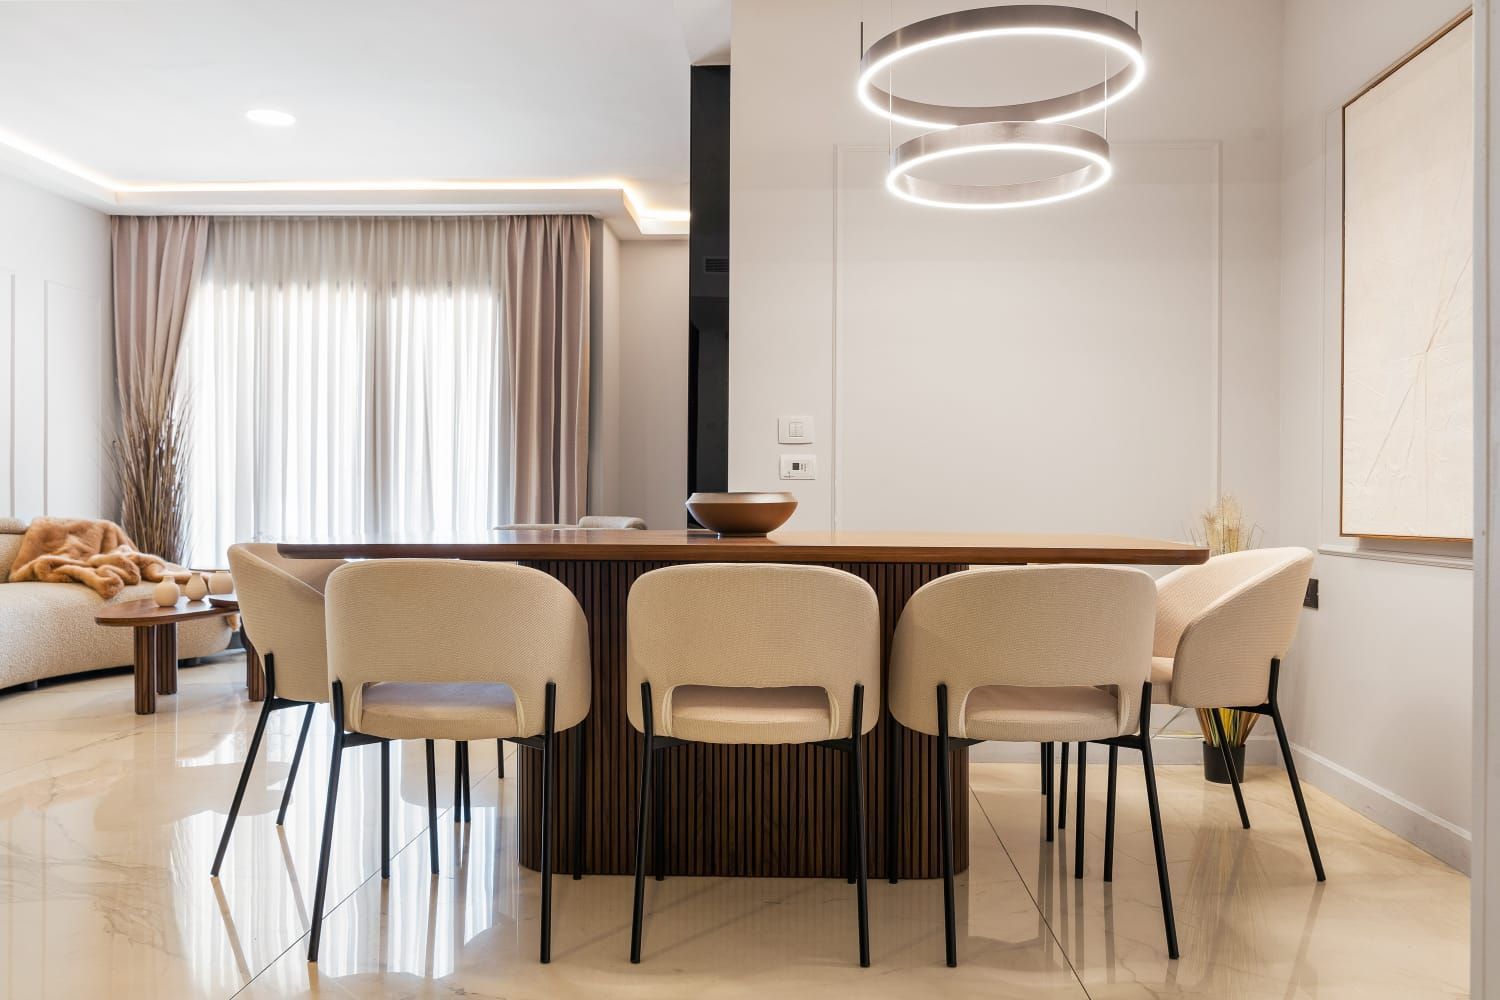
<point x="109" y="822"/>
<point x="1251" y="919"/>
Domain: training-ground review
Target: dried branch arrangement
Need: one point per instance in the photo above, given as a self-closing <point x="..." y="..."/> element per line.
<point x="150" y="457"/>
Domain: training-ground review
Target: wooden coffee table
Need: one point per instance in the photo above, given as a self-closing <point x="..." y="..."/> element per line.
<point x="156" y="641"/>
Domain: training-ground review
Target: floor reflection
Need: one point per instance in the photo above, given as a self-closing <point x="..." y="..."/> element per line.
<point x="108" y="827"/>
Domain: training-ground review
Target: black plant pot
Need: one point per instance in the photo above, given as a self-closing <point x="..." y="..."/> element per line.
<point x="1213" y="763"/>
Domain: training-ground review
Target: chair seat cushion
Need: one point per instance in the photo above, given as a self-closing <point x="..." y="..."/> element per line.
<point x="707" y="714"/>
<point x="1041" y="714"/>
<point x="402" y="711"/>
<point x="1161" y="680"/>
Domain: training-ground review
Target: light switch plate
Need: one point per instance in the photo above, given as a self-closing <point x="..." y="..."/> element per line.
<point x="799" y="467"/>
<point x="794" y="430"/>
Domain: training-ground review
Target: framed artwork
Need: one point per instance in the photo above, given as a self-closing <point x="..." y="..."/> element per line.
<point x="1407" y="464"/>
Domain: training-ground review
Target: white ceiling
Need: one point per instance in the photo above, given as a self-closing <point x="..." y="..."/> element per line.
<point x="147" y="101"/>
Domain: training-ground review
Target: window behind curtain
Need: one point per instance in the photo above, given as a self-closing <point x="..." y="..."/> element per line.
<point x="345" y="379"/>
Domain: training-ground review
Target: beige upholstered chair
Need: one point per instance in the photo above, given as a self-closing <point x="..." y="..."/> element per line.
<point x="752" y="654"/>
<point x="1029" y="654"/>
<point x="281" y="608"/>
<point x="1221" y="630"/>
<point x="597" y="521"/>
<point x="441" y="649"/>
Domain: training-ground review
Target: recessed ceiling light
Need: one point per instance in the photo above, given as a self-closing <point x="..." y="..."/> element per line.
<point x="269" y="116"/>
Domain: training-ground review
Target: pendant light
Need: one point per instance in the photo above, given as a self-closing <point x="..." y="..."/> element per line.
<point x="1030" y="126"/>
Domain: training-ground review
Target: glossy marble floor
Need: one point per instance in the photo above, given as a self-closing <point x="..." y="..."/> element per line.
<point x="109" y="821"/>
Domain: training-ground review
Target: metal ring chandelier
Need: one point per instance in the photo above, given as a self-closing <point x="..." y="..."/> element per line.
<point x="1031" y="126"/>
<point x="992" y="137"/>
<point x="1018" y="20"/>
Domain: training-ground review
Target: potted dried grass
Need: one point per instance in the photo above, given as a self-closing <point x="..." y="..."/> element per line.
<point x="1222" y="529"/>
<point x="150" y="457"/>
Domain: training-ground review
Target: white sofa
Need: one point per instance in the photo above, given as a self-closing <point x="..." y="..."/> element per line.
<point x="48" y="629"/>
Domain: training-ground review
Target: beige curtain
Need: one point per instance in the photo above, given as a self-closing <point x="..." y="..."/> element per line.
<point x="156" y="262"/>
<point x="354" y="377"/>
<point x="546" y="301"/>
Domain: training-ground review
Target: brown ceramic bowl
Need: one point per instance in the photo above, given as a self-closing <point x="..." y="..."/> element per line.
<point x="742" y="513"/>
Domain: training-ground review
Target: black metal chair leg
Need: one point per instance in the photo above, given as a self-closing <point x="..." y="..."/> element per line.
<point x="460" y="783"/>
<point x="1046" y="776"/>
<point x="291" y="774"/>
<point x="468" y="789"/>
<point x="432" y="836"/>
<point x="1050" y="749"/>
<point x="385" y="809"/>
<point x="1109" y="815"/>
<point x="1291" y="773"/>
<point x="500" y="757"/>
<point x="321" y="893"/>
<point x="1228" y="758"/>
<point x="578" y="752"/>
<point x="1078" y="852"/>
<point x="641" y="823"/>
<point x="1062" y="799"/>
<point x="239" y="790"/>
<point x="893" y="802"/>
<point x="1169" y="919"/>
<point x="857" y="823"/>
<point x="945" y="832"/>
<point x="549" y="807"/>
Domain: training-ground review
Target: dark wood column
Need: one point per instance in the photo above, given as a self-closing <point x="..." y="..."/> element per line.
<point x="164" y="639"/>
<point x="733" y="810"/>
<point x="145" y="670"/>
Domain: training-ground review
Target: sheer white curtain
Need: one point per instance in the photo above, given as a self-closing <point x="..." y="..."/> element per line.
<point x="347" y="378"/>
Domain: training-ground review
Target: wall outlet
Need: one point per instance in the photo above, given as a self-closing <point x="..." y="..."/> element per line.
<point x="799" y="467"/>
<point x="794" y="430"/>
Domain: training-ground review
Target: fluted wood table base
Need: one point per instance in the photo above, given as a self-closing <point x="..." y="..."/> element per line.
<point x="736" y="810"/>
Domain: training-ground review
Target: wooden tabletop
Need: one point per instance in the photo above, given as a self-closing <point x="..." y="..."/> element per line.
<point x="147" y="612"/>
<point x="684" y="545"/>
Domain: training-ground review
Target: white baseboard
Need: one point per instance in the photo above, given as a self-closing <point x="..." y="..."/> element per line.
<point x="1445" y="841"/>
<point x="1407" y="820"/>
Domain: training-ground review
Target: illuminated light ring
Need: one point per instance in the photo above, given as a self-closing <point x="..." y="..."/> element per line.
<point x="988" y="137"/>
<point x="1019" y="20"/>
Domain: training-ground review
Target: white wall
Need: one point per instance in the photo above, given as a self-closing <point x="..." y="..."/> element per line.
<point x="1378" y="695"/>
<point x="1009" y="371"/>
<point x="1013" y="371"/>
<point x="57" y="396"/>
<point x="1005" y="371"/>
<point x="653" y="381"/>
<point x="1484" y="950"/>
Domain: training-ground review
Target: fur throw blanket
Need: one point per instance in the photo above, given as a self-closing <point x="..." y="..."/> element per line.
<point x="97" y="554"/>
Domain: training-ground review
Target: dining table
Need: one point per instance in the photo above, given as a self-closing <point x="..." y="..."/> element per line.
<point x="747" y="810"/>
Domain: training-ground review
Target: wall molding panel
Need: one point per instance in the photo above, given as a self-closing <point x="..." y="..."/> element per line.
<point x="74" y="394"/>
<point x="8" y="399"/>
<point x="57" y="394"/>
<point x="1184" y="372"/>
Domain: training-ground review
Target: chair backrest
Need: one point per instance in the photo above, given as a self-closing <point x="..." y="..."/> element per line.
<point x="1224" y="621"/>
<point x="615" y="521"/>
<point x="753" y="626"/>
<point x="597" y="521"/>
<point x="1023" y="626"/>
<point x="444" y="621"/>
<point x="281" y="601"/>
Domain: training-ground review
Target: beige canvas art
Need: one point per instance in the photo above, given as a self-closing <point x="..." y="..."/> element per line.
<point x="1408" y="405"/>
